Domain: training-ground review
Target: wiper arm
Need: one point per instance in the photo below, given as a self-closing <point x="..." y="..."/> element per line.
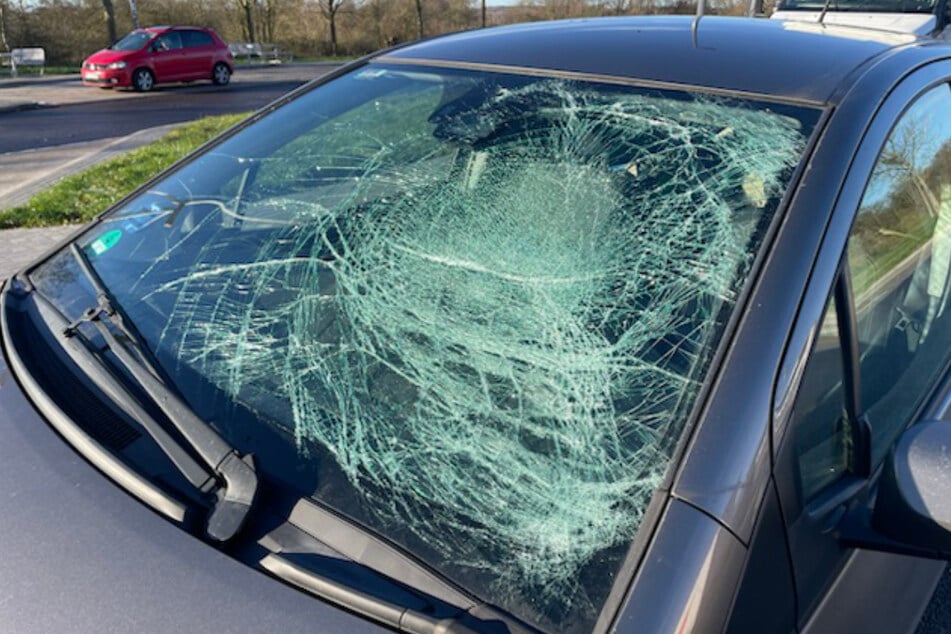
<point x="394" y="615"/>
<point x="298" y="556"/>
<point x="236" y="473"/>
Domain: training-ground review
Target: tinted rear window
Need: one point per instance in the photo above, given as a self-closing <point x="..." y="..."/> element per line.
<point x="196" y="38"/>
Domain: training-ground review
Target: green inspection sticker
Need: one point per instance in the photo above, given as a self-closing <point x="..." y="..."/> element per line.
<point x="105" y="242"/>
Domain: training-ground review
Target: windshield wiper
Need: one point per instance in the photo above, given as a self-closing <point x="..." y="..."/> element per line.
<point x="399" y="617"/>
<point x="397" y="589"/>
<point x="235" y="475"/>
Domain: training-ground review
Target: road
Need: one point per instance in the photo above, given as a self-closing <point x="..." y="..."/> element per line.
<point x="88" y="114"/>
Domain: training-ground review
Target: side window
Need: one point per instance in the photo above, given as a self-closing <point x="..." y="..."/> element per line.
<point x="168" y="42"/>
<point x="821" y="435"/>
<point x="899" y="256"/>
<point x="194" y="39"/>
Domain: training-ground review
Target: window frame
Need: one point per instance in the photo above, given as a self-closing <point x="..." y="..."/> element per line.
<point x="810" y="524"/>
<point x="835" y="244"/>
<point x="832" y="251"/>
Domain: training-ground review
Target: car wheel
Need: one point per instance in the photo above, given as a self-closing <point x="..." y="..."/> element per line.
<point x="143" y="80"/>
<point x="221" y="74"/>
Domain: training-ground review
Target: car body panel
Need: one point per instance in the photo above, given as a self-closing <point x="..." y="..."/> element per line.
<point x="731" y="54"/>
<point x="826" y="604"/>
<point x="764" y="598"/>
<point x="854" y="605"/>
<point x="732" y="493"/>
<point x="200" y="59"/>
<point x="80" y="555"/>
<point x="107" y="56"/>
<point x="690" y="573"/>
<point x="170" y="65"/>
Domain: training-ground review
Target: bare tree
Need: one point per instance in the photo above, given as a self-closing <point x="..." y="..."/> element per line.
<point x="901" y="159"/>
<point x="3" y="26"/>
<point x="110" y="15"/>
<point x="269" y="9"/>
<point x="247" y="10"/>
<point x="419" y="19"/>
<point x="330" y="9"/>
<point x="618" y="7"/>
<point x="376" y="13"/>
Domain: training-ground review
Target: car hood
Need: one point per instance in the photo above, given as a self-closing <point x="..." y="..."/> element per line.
<point x="105" y="56"/>
<point x="80" y="555"/>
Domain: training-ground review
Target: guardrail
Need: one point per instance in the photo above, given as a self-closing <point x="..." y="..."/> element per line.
<point x="20" y="57"/>
<point x="270" y="53"/>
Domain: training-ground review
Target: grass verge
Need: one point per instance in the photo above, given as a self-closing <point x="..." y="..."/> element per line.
<point x="82" y="196"/>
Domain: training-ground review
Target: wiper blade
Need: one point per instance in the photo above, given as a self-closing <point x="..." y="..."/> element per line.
<point x="236" y="475"/>
<point x="93" y="367"/>
<point x="394" y="615"/>
<point x="299" y="555"/>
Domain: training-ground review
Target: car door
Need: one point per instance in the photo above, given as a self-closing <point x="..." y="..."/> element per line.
<point x="198" y="49"/>
<point x="168" y="57"/>
<point x="871" y="350"/>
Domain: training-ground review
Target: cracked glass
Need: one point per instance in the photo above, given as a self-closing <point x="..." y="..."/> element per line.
<point x="470" y="310"/>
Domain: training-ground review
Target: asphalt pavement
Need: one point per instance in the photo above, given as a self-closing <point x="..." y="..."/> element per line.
<point x="22" y="246"/>
<point x="28" y="93"/>
<point x="26" y="172"/>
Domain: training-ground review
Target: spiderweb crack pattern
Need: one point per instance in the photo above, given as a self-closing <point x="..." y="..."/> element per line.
<point x="498" y="358"/>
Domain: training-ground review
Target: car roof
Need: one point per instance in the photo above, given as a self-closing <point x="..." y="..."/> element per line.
<point x="792" y="61"/>
<point x="163" y="28"/>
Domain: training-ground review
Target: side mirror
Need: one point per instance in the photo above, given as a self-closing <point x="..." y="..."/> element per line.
<point x="912" y="508"/>
<point x="914" y="493"/>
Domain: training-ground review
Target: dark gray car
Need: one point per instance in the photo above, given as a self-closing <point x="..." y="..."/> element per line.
<point x="607" y="325"/>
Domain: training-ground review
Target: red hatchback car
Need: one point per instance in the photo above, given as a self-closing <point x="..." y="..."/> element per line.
<point x="158" y="55"/>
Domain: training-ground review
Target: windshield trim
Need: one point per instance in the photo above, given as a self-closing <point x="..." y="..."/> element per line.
<point x="616" y="80"/>
<point x="370" y="548"/>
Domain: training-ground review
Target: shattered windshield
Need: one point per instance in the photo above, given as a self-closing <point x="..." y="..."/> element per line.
<point x="470" y="310"/>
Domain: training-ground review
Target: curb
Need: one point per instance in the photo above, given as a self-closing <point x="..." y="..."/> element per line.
<point x="24" y="105"/>
<point x="20" y="82"/>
